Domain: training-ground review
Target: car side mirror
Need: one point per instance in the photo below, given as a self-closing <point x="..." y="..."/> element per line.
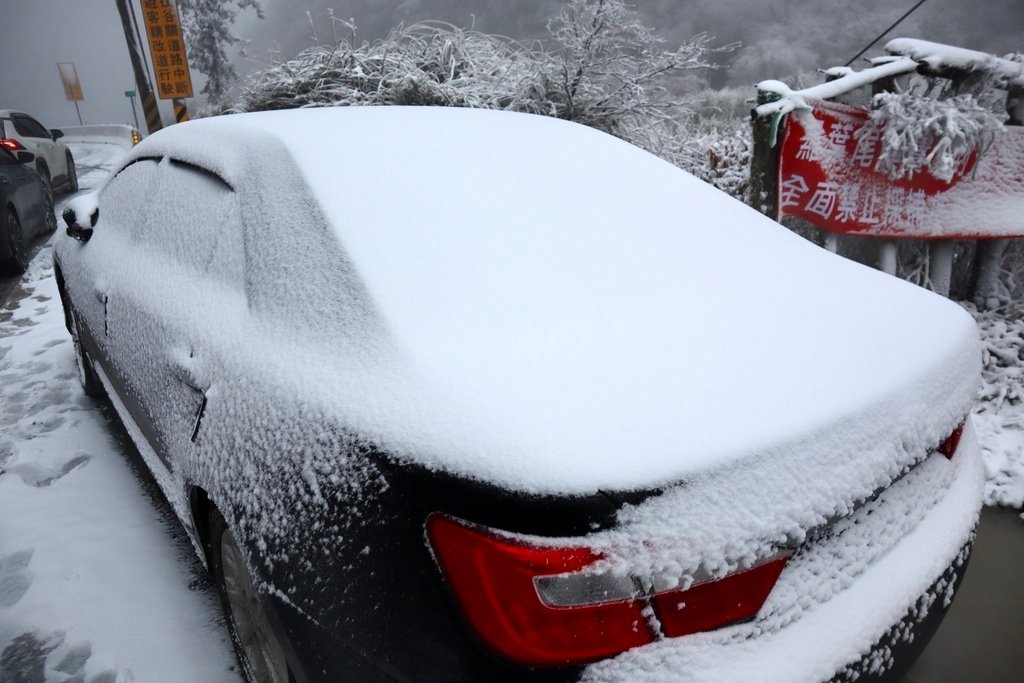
<point x="25" y="157"/>
<point x="78" y="232"/>
<point x="56" y="133"/>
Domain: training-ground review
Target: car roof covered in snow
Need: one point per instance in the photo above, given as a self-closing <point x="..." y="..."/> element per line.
<point x="588" y="316"/>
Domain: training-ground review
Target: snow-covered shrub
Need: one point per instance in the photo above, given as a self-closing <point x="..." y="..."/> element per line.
<point x="602" y="67"/>
<point x="422" y="64"/>
<point x="1000" y="412"/>
<point x="718" y="152"/>
<point x="918" y="130"/>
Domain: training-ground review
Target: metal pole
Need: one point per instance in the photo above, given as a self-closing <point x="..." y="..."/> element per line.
<point x="887" y="257"/>
<point x="138" y="32"/>
<point x="940" y="265"/>
<point x="149" y="106"/>
<point x="135" y="114"/>
<point x="79" y="112"/>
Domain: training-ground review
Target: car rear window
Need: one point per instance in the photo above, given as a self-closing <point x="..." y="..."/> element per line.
<point x="29" y="127"/>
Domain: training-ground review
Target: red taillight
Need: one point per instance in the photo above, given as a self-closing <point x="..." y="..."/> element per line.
<point x="493" y="581"/>
<point x="11" y="145"/>
<point x="713" y="604"/>
<point x="949" y="444"/>
<point x="533" y="605"/>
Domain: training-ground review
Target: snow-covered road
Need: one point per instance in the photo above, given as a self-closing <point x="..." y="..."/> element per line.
<point x="97" y="584"/>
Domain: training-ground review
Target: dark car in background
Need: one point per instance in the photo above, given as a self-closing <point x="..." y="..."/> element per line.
<point x="463" y="395"/>
<point x="27" y="209"/>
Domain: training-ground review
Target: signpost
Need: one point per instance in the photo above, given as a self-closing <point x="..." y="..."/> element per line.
<point x="130" y="94"/>
<point x="72" y="86"/>
<point x="827" y="170"/>
<point x="167" y="49"/>
<point x="828" y="177"/>
<point x="149" y="105"/>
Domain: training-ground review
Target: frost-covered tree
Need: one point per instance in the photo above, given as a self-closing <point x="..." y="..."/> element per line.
<point x="611" y="65"/>
<point x="206" y="25"/>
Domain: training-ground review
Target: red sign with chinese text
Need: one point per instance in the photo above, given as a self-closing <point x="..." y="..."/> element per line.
<point x="828" y="177"/>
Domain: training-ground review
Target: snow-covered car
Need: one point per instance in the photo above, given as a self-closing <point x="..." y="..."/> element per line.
<point x="462" y="395"/>
<point x="26" y="209"/>
<point x="54" y="161"/>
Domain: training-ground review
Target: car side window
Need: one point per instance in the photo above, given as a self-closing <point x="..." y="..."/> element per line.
<point x="227" y="261"/>
<point x="29" y="127"/>
<point x="195" y="218"/>
<point x="123" y="203"/>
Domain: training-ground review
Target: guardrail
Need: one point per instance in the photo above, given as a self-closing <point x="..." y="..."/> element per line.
<point x="114" y="134"/>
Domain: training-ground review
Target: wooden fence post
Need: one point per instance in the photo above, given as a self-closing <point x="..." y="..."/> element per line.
<point x="764" y="161"/>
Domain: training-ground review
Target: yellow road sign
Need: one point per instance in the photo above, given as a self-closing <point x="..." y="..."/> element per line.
<point x="69" y="78"/>
<point x="167" y="48"/>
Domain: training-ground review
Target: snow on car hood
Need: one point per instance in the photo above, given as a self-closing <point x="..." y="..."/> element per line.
<point x="580" y="315"/>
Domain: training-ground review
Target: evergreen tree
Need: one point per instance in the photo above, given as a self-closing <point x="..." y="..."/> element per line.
<point x="206" y="25"/>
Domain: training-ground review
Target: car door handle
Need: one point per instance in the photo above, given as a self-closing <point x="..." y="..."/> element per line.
<point x="187" y="370"/>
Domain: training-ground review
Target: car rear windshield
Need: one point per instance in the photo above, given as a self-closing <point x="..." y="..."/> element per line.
<point x="29" y="127"/>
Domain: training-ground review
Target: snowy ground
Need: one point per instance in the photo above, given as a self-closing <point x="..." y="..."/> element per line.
<point x="97" y="584"/>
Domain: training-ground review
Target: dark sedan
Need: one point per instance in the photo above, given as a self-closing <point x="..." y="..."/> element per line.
<point x="461" y="395"/>
<point x="27" y="210"/>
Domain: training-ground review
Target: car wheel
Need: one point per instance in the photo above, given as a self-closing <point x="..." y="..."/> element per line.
<point x="49" y="218"/>
<point x="17" y="259"/>
<point x="91" y="384"/>
<point x="258" y="649"/>
<point x="72" y="174"/>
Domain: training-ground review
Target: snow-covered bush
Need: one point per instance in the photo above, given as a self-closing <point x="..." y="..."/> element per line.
<point x="422" y="64"/>
<point x="601" y="67"/>
<point x="717" y="150"/>
<point x="919" y="131"/>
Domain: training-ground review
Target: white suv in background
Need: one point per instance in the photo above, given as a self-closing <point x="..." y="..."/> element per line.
<point x="19" y="131"/>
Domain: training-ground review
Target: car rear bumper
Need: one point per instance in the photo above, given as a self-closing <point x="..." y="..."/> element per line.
<point x="900" y="559"/>
<point x="894" y="653"/>
<point x="874" y="623"/>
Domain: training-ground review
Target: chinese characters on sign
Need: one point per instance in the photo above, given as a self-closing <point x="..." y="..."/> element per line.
<point x="828" y="177"/>
<point x="167" y="48"/>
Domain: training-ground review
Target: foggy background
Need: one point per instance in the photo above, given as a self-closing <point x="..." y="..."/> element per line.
<point x="780" y="38"/>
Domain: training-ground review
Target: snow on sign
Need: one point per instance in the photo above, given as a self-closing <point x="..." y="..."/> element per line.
<point x="828" y="177"/>
<point x="167" y="49"/>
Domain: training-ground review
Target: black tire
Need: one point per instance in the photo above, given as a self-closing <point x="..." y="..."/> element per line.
<point x="72" y="174"/>
<point x="253" y="643"/>
<point x="91" y="384"/>
<point x="44" y="172"/>
<point x="49" y="218"/>
<point x="17" y="259"/>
